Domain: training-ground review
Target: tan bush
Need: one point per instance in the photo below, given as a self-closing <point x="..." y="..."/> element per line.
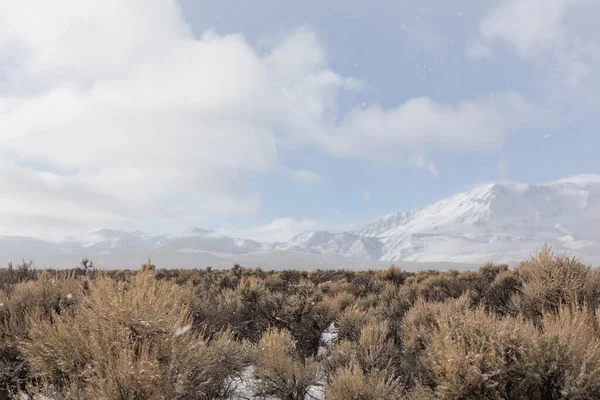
<point x="278" y="370"/>
<point x="375" y="352"/>
<point x="500" y="295"/>
<point x="474" y="355"/>
<point x="395" y="275"/>
<point x="352" y="383"/>
<point x="567" y="356"/>
<point x="343" y="300"/>
<point x="551" y="279"/>
<point x="302" y="314"/>
<point x="441" y="287"/>
<point x="132" y="341"/>
<point x="351" y="321"/>
<point x="245" y="310"/>
<point x="393" y="305"/>
<point x="418" y="326"/>
<point x="42" y="298"/>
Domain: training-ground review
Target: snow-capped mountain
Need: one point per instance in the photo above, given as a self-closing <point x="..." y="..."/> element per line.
<point x="347" y="244"/>
<point x="110" y="240"/>
<point x="501" y="222"/>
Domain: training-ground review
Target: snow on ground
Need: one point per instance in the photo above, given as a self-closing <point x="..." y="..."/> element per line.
<point x="244" y="384"/>
<point x="328" y="337"/>
<point x="244" y="388"/>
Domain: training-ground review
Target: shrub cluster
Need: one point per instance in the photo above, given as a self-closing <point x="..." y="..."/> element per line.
<point x="528" y="332"/>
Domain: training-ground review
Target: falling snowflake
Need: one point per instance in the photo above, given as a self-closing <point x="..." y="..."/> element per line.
<point x="182" y="330"/>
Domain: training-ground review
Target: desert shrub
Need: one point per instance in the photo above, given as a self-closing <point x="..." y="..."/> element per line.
<point x="279" y="371"/>
<point x="441" y="287"/>
<point x="368" y="302"/>
<point x="474" y="356"/>
<point x="394" y="303"/>
<point x="132" y="341"/>
<point x="552" y="279"/>
<point x="11" y="275"/>
<point x="492" y="333"/>
<point x="566" y="356"/>
<point x="352" y="383"/>
<point x="148" y="266"/>
<point x="343" y="300"/>
<point x="374" y="352"/>
<point x="244" y="310"/>
<point x="395" y="275"/>
<point x="351" y="321"/>
<point x="364" y="283"/>
<point x="418" y="326"/>
<point x="301" y="312"/>
<point x="498" y="297"/>
<point x="42" y="299"/>
<point x="477" y="283"/>
<point x="252" y="308"/>
<point x="13" y="370"/>
<point x="490" y="271"/>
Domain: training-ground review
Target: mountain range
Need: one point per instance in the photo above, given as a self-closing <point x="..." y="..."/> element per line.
<point x="500" y="222"/>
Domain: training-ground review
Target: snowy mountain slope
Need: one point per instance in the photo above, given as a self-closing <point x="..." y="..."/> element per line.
<point x="347" y="244"/>
<point x="501" y="222"/>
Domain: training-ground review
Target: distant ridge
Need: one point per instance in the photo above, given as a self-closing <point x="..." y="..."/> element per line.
<point x="500" y="222"/>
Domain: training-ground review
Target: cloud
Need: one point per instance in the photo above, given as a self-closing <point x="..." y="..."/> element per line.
<point x="528" y="25"/>
<point x="367" y="196"/>
<point x="279" y="230"/>
<point x="421" y="123"/>
<point x="301" y="175"/>
<point x="117" y="114"/>
<point x="541" y="31"/>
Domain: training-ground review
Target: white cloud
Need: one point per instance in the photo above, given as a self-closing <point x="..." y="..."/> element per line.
<point x="141" y="120"/>
<point x="529" y="25"/>
<point x="541" y="31"/>
<point x="421" y="123"/>
<point x="301" y="175"/>
<point x="279" y="230"/>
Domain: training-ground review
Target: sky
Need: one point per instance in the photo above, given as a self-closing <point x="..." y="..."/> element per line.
<point x="262" y="119"/>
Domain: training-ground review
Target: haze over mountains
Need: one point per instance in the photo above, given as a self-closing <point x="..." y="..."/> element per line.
<point x="501" y="222"/>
